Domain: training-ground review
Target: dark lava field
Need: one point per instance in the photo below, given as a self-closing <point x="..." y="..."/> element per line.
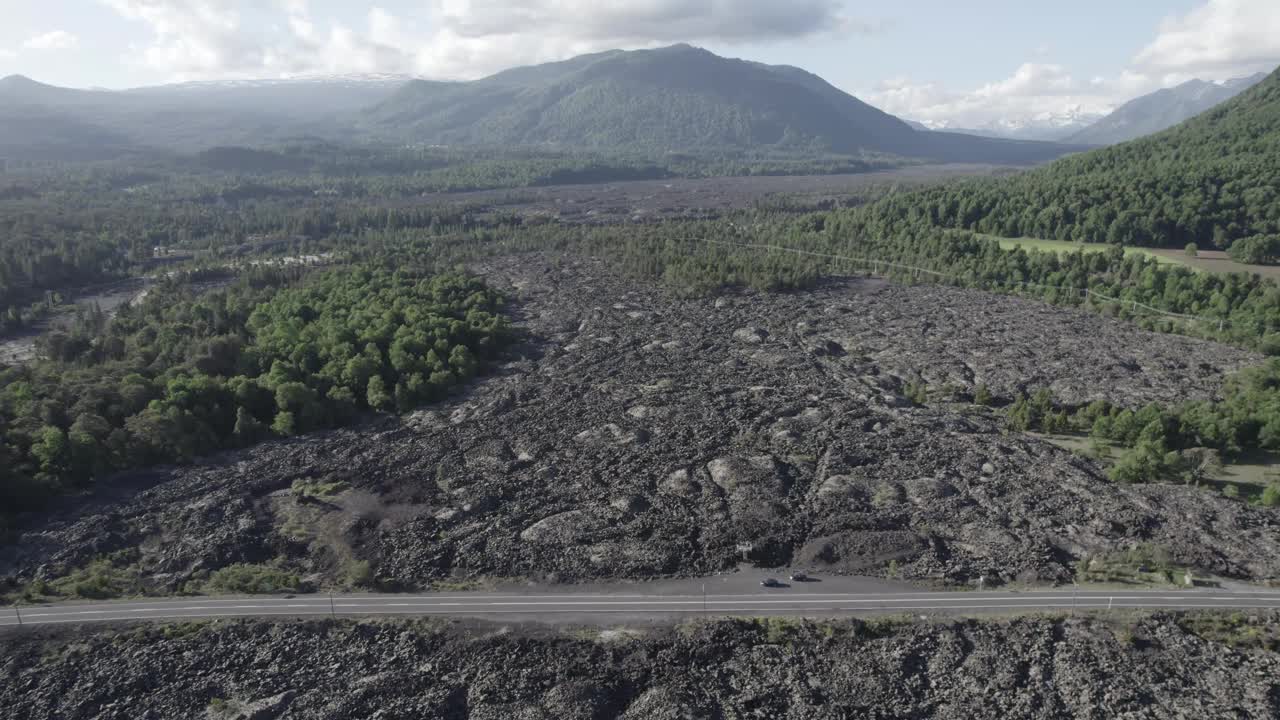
<point x="635" y="434"/>
<point x="1143" y="667"/>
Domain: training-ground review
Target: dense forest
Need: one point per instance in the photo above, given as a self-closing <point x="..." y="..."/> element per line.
<point x="279" y="353"/>
<point x="67" y="227"/>
<point x="1209" y="181"/>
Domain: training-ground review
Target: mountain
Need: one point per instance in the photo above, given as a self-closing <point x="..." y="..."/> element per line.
<point x="1161" y="109"/>
<point x="1049" y="126"/>
<point x="39" y="121"/>
<point x="1209" y="181"/>
<point x="301" y="98"/>
<point x="675" y="98"/>
<point x="678" y="98"/>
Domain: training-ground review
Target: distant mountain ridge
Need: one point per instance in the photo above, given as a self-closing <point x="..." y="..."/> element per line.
<point x="39" y="121"/>
<point x="674" y="98"/>
<point x="1047" y="127"/>
<point x="678" y="98"/>
<point x="1161" y="110"/>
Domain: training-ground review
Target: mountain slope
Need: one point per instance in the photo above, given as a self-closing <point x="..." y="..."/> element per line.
<point x="39" y="121"/>
<point x="652" y="101"/>
<point x="675" y="98"/>
<point x="1162" y="109"/>
<point x="1210" y="180"/>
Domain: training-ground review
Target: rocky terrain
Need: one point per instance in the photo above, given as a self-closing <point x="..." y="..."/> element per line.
<point x="636" y="434"/>
<point x="1139" y="667"/>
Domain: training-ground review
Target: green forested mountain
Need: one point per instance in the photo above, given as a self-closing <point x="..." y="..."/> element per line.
<point x="679" y="98"/>
<point x="1210" y="181"/>
<point x="675" y="98"/>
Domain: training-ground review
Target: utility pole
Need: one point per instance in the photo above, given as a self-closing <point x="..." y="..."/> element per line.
<point x="1075" y="588"/>
<point x="332" y="610"/>
<point x="17" y="612"/>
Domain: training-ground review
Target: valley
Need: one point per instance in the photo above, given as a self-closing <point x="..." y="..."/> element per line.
<point x="637" y="435"/>
<point x="639" y="384"/>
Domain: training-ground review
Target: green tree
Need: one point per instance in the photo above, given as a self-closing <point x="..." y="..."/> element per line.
<point x="284" y="424"/>
<point x="52" y="450"/>
<point x="248" y="429"/>
<point x="377" y="396"/>
<point x="1271" y="496"/>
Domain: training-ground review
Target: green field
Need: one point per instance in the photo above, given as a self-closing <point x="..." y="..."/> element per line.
<point x="1064" y="246"/>
<point x="1205" y="261"/>
<point x="1250" y="473"/>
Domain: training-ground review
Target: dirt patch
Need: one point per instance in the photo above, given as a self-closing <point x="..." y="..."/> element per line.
<point x="1217" y="261"/>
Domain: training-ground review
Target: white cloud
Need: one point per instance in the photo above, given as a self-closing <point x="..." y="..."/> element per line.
<point x="461" y="39"/>
<point x="56" y="40"/>
<point x="1035" y="94"/>
<point x="1219" y="39"/>
<point x="7" y="54"/>
<point x="639" y="20"/>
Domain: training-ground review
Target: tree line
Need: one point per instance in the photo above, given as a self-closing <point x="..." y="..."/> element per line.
<point x="279" y="353"/>
<point x="1209" y="181"/>
<point x="1169" y="442"/>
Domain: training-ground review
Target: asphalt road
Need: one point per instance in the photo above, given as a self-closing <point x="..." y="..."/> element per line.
<point x="571" y="607"/>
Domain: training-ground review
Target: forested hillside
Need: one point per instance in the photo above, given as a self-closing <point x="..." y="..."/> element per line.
<point x="676" y="98"/>
<point x="276" y="355"/>
<point x="1210" y="181"/>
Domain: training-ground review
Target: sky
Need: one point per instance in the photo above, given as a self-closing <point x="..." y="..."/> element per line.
<point x="952" y="64"/>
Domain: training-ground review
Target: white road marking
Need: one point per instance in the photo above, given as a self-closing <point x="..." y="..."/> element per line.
<point x="480" y="605"/>
<point x="692" y="611"/>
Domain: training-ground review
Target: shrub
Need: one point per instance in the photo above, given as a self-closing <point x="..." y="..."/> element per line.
<point x="982" y="396"/>
<point x="317" y="489"/>
<point x="252" y="580"/>
<point x="1193" y="250"/>
<point x="1271" y="496"/>
<point x="100" y="580"/>
<point x="359" y="572"/>
<point x="885" y="495"/>
<point x="917" y="393"/>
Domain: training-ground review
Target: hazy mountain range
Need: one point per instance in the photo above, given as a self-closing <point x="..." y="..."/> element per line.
<point x="1160" y="110"/>
<point x="1141" y="116"/>
<point x="679" y="98"/>
<point x="1049" y="126"/>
